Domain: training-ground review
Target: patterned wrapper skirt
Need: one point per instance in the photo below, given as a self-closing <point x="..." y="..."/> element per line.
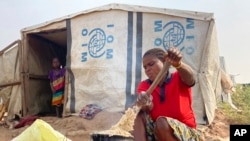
<point x="181" y="131"/>
<point x="58" y="96"/>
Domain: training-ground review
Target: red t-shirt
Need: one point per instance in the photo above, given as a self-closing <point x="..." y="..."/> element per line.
<point x="177" y="103"/>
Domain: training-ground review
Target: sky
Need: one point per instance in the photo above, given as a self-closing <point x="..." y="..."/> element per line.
<point x="232" y="18"/>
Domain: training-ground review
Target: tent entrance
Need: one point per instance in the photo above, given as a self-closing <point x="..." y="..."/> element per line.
<point x="43" y="47"/>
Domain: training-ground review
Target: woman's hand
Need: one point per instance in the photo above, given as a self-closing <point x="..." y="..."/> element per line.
<point x="145" y="101"/>
<point x="173" y="56"/>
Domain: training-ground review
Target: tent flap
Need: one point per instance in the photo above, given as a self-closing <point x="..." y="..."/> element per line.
<point x="10" y="90"/>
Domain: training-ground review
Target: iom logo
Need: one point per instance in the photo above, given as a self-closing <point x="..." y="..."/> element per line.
<point x="174" y="35"/>
<point x="96" y="43"/>
<point x="97" y="40"/>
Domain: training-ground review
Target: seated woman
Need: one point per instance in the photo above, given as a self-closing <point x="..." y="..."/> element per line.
<point x="166" y="115"/>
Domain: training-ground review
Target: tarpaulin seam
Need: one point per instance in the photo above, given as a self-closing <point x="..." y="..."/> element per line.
<point x="139" y="27"/>
<point x="72" y="77"/>
<point x="129" y="56"/>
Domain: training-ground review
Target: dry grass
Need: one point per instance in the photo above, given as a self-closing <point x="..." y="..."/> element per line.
<point x="241" y="99"/>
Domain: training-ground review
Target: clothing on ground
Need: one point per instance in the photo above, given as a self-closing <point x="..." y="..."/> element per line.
<point x="28" y="120"/>
<point x="89" y="111"/>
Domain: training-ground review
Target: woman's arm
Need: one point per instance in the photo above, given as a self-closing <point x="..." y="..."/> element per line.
<point x="174" y="57"/>
<point x="186" y="74"/>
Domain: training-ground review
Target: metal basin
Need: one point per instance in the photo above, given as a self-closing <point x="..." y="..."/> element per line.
<point x="99" y="137"/>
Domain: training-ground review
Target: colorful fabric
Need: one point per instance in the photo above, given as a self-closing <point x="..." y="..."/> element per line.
<point x="57" y="79"/>
<point x="181" y="131"/>
<point x="177" y="102"/>
<point x="89" y="111"/>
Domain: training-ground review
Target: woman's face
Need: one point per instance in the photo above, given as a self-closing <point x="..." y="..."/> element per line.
<point x="152" y="66"/>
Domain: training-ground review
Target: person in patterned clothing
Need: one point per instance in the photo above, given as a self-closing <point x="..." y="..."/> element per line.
<point x="57" y="82"/>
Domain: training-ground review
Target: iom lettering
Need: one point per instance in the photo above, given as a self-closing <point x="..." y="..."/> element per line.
<point x="173" y="33"/>
<point x="96" y="43"/>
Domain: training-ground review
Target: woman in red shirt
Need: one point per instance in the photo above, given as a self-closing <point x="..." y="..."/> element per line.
<point x="166" y="115"/>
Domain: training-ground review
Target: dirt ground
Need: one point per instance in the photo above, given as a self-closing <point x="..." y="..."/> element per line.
<point x="218" y="130"/>
<point x="79" y="129"/>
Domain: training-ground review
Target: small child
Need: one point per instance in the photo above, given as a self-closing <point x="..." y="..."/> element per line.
<point x="57" y="81"/>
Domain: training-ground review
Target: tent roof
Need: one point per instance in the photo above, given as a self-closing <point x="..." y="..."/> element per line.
<point x="134" y="8"/>
<point x="9" y="47"/>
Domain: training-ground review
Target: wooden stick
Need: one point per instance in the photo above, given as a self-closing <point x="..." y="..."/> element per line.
<point x="158" y="78"/>
<point x="10" y="84"/>
<point x="41" y="77"/>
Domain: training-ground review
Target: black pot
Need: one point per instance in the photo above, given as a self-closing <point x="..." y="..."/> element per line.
<point x="100" y="137"/>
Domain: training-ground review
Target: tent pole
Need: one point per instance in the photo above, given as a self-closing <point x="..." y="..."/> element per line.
<point x="65" y="92"/>
<point x="10" y="84"/>
<point x="9" y="46"/>
<point x="41" y="77"/>
<point x="25" y="75"/>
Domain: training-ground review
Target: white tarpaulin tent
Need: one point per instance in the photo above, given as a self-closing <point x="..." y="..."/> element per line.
<point x="10" y="82"/>
<point x="102" y="50"/>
